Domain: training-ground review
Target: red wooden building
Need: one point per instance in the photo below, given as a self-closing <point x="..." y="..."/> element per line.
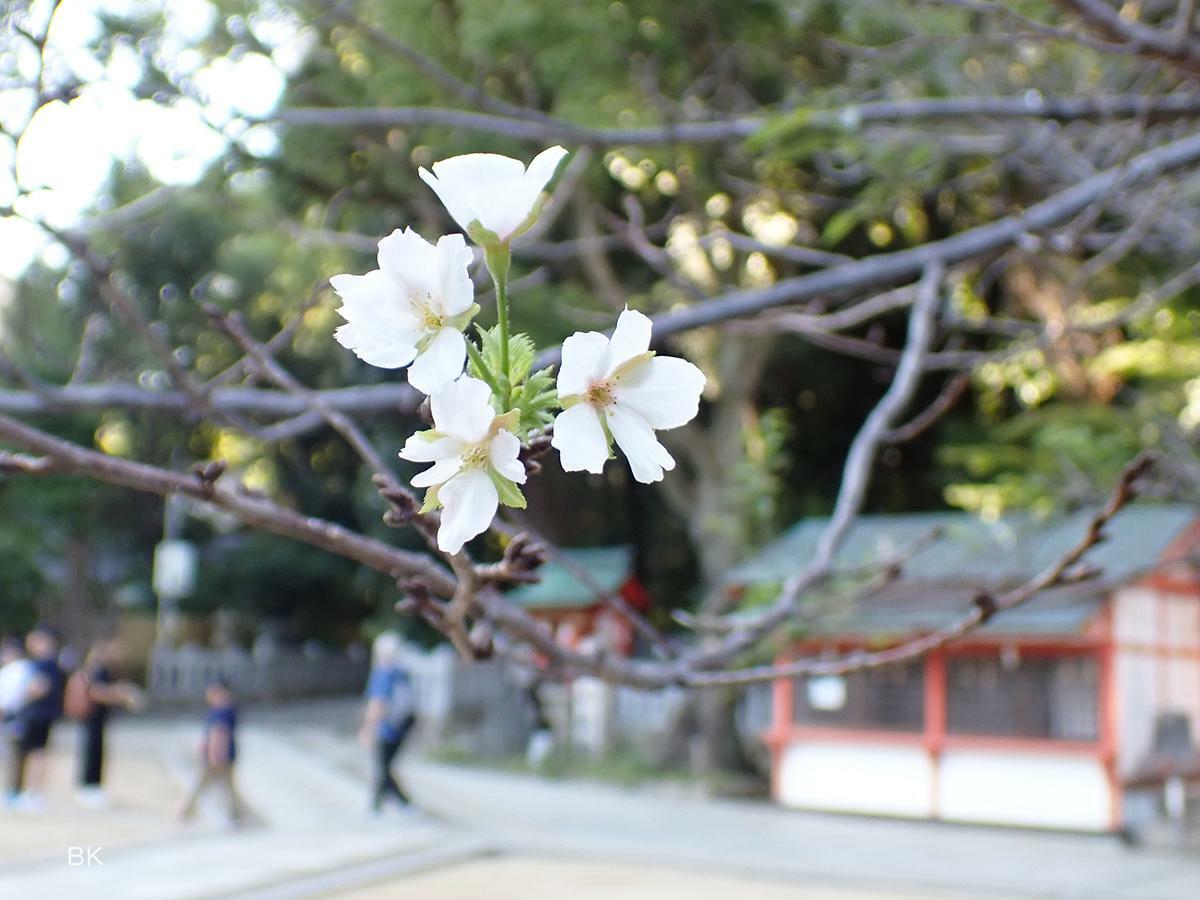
<point x="1045" y="717"/>
<point x="572" y="591"/>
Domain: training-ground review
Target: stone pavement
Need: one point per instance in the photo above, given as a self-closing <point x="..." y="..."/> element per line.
<point x="312" y="816"/>
<point x="531" y="815"/>
<point x="304" y="776"/>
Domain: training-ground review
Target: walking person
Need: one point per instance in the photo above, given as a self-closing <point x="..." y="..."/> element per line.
<point x="218" y="753"/>
<point x="389" y="717"/>
<point x="15" y="673"/>
<point x="92" y="693"/>
<point x="34" y="720"/>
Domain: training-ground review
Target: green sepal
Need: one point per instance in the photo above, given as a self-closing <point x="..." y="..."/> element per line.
<point x="608" y="438"/>
<point x="463" y="319"/>
<point x="496" y="256"/>
<point x="632" y="363"/>
<point x="429" y="435"/>
<point x="509" y="421"/>
<point x="510" y="494"/>
<point x="484" y="237"/>
<point x="431" y="501"/>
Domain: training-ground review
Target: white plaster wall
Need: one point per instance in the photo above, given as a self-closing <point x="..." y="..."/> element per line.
<point x="1181" y="621"/>
<point x="864" y="778"/>
<point x="1136" y="680"/>
<point x="1134" y="617"/>
<point x="1046" y="790"/>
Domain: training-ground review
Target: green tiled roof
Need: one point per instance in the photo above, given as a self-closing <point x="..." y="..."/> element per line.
<point x="583" y="577"/>
<point x="969" y="555"/>
<point x="1013" y="548"/>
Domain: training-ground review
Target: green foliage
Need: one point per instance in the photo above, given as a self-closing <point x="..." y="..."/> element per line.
<point x="537" y="399"/>
<point x="251" y="237"/>
<point x="533" y="395"/>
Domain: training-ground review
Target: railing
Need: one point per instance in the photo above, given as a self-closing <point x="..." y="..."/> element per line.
<point x="479" y="707"/>
<point x="181" y="675"/>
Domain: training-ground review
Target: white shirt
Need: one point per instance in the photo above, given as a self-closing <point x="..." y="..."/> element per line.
<point x="14" y="685"/>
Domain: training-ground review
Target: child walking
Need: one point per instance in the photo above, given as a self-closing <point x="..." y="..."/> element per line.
<point x="218" y="753"/>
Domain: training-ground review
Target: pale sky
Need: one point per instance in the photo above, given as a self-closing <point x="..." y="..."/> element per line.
<point x="68" y="149"/>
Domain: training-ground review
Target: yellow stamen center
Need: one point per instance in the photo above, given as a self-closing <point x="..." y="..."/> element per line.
<point x="601" y="394"/>
<point x="431" y="319"/>
<point x="476" y="457"/>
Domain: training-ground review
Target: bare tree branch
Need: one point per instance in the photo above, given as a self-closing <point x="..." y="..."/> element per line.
<point x="56" y="456"/>
<point x="1031" y="106"/>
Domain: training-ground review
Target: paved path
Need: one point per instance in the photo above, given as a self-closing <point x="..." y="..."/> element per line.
<point x="304" y="776"/>
<point x="532" y="815"/>
<point x="313" y="822"/>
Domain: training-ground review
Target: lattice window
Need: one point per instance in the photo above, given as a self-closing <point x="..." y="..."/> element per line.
<point x="886" y="699"/>
<point x="1040" y="697"/>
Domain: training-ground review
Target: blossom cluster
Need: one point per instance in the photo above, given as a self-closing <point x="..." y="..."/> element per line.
<point x="414" y="312"/>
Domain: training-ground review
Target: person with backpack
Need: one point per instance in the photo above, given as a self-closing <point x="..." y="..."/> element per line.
<point x="92" y="693"/>
<point x="388" y="719"/>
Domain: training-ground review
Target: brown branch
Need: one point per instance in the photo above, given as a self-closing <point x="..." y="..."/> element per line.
<point x="846" y="118"/>
<point x="57" y="456"/>
<point x="888" y="268"/>
<point x="1179" y="50"/>
<point x="950" y="394"/>
<point x="856" y="477"/>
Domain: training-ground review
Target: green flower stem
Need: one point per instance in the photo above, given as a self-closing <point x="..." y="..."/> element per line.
<point x="484" y="372"/>
<point x="498" y="257"/>
<point x="502" y="317"/>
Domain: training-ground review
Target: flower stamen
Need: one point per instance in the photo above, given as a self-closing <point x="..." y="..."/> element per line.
<point x="431" y="318"/>
<point x="601" y="394"/>
<point x="476" y="457"/>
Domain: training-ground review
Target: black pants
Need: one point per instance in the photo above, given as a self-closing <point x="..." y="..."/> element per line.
<point x="91" y="734"/>
<point x="385" y="782"/>
<point x="29" y="736"/>
<point x="15" y="781"/>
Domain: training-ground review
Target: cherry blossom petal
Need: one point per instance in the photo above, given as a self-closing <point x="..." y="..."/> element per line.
<point x="374" y="297"/>
<point x="376" y="346"/>
<point x="440" y="362"/>
<point x="439" y="473"/>
<point x="469" y="502"/>
<point x="418" y="448"/>
<point x="647" y="457"/>
<point x="413" y="263"/>
<point x="582" y="354"/>
<point x="497" y="192"/>
<point x="664" y="391"/>
<point x="454" y="196"/>
<point x="457" y="289"/>
<point x="580" y="440"/>
<point x="505" y="205"/>
<point x="503" y="452"/>
<point x="542" y="168"/>
<point x="374" y="292"/>
<point x="378" y="329"/>
<point x="630" y="338"/>
<point x="478" y="168"/>
<point x="463" y="409"/>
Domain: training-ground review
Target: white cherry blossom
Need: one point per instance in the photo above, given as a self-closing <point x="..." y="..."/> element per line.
<point x="615" y="387"/>
<point x="475" y="461"/>
<point x="493" y="192"/>
<point x="412" y="310"/>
